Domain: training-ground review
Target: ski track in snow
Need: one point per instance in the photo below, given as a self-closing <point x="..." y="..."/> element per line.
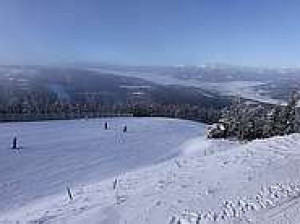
<point x="199" y="181"/>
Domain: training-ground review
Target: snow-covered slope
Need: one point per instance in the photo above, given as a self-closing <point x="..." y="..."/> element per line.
<point x="57" y="154"/>
<point x="197" y="181"/>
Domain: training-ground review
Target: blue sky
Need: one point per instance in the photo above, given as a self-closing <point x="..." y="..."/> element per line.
<point x="151" y="32"/>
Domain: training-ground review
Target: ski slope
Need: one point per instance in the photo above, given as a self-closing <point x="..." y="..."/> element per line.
<point x="57" y="154"/>
<point x="168" y="174"/>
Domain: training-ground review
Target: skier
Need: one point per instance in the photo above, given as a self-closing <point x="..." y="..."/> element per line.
<point x="105" y="126"/>
<point x="14" y="146"/>
<point x="125" y="129"/>
<point x="69" y="193"/>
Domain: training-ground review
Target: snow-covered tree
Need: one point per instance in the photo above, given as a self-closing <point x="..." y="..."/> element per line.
<point x="290" y="115"/>
<point x="253" y="121"/>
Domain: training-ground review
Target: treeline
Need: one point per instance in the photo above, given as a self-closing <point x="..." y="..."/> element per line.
<point x="255" y="121"/>
<point x="60" y="110"/>
<point x="38" y="103"/>
<point x="203" y="114"/>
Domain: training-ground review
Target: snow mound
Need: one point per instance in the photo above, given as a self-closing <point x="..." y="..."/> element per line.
<point x="201" y="146"/>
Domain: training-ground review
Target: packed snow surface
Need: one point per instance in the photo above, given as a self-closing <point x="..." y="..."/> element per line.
<point x="57" y="154"/>
<point x="160" y="171"/>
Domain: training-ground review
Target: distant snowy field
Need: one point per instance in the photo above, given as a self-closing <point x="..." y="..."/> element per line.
<point x="163" y="171"/>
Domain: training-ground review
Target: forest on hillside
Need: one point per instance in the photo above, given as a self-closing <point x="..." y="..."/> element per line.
<point x="245" y="121"/>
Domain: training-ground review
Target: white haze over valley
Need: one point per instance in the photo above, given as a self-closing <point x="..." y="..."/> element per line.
<point x="226" y="88"/>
